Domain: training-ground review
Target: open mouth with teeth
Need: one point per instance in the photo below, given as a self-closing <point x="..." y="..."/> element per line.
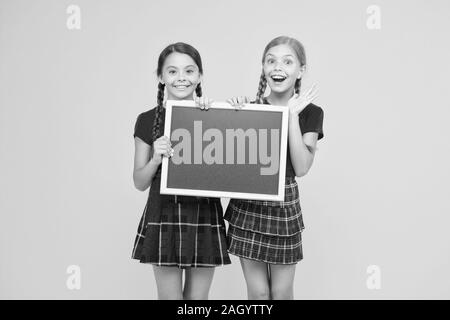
<point x="278" y="78"/>
<point x="181" y="86"/>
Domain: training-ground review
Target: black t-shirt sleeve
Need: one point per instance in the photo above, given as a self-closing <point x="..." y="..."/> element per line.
<point x="143" y="127"/>
<point x="312" y="121"/>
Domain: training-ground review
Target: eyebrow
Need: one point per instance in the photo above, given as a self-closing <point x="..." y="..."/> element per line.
<point x="287" y="55"/>
<point x="189" y="66"/>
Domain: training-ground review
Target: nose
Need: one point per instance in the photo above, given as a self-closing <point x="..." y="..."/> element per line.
<point x="181" y="76"/>
<point x="277" y="65"/>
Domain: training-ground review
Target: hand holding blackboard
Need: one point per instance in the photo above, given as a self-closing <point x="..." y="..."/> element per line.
<point x="238" y="102"/>
<point x="203" y="102"/>
<point x="161" y="147"/>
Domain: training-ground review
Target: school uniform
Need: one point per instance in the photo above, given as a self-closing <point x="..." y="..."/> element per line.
<point x="180" y="231"/>
<point x="271" y="231"/>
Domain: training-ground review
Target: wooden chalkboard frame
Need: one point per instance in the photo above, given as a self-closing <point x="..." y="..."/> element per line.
<point x="215" y="193"/>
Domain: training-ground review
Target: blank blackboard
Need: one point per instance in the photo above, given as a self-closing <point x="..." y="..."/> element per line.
<point x="232" y="180"/>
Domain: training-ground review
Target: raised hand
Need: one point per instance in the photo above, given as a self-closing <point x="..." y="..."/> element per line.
<point x="298" y="102"/>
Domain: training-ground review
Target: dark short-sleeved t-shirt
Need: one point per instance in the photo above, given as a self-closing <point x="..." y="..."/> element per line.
<point x="144" y="125"/>
<point x="310" y="120"/>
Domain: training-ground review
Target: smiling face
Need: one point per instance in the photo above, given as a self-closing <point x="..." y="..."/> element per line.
<point x="181" y="76"/>
<point x="282" y="68"/>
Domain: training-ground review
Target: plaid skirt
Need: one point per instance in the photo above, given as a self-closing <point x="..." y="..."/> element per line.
<point x="181" y="231"/>
<point x="268" y="231"/>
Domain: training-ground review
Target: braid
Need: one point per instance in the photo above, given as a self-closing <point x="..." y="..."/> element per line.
<point x="158" y="118"/>
<point x="261" y="88"/>
<point x="297" y="86"/>
<point x="198" y="90"/>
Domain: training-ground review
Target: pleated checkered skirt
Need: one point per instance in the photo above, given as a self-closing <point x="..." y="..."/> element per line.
<point x="268" y="231"/>
<point x="181" y="231"/>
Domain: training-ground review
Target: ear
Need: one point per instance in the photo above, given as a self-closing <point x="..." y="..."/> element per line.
<point x="160" y="80"/>
<point x="302" y="71"/>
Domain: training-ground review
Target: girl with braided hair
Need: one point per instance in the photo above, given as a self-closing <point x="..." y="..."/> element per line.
<point x="175" y="233"/>
<point x="266" y="235"/>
